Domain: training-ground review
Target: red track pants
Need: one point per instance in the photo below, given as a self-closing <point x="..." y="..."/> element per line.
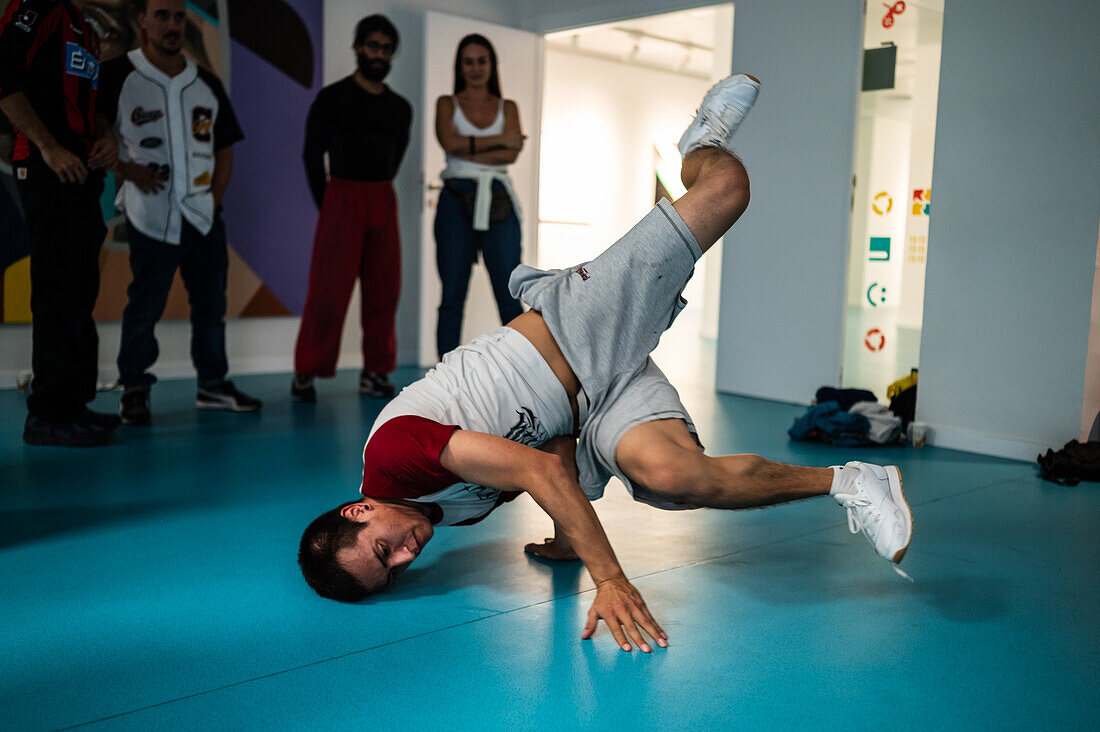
<point x="357" y="236"/>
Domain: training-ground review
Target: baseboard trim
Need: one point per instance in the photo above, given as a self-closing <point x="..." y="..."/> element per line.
<point x="984" y="444"/>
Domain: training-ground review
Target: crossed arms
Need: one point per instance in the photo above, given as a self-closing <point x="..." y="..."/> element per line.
<point x="550" y="477"/>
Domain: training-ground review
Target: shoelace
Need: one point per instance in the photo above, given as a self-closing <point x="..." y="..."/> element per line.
<point x="861" y="515"/>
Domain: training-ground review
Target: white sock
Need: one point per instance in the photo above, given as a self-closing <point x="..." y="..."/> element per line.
<point x="843" y="478"/>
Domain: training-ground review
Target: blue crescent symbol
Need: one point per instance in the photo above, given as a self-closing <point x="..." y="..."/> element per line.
<point x="882" y="297"/>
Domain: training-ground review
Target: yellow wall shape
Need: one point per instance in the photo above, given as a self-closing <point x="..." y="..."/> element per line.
<point x="17" y="292"/>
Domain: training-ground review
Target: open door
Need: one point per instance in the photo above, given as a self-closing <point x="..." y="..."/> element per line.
<point x="519" y="57"/>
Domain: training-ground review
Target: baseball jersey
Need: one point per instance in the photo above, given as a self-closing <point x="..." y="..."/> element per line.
<point x="49" y="52"/>
<point x="498" y="384"/>
<point x="174" y="125"/>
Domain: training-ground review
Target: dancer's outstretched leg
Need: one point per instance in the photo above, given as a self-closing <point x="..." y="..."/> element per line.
<point x="663" y="457"/>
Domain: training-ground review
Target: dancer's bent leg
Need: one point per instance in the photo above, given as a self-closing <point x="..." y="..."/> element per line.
<point x="717" y="193"/>
<point x="663" y="457"/>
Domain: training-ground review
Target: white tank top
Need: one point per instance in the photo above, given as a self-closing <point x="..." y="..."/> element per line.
<point x="466" y="128"/>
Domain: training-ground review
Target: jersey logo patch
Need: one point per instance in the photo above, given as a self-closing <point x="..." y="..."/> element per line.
<point x="203" y="180"/>
<point x="142" y="116"/>
<point x="202" y="123"/>
<point x="79" y="62"/>
<point x="583" y="273"/>
<point x="26" y="20"/>
<point x="528" y="430"/>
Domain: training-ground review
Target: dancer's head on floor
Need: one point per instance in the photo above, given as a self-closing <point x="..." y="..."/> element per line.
<point x="359" y="547"/>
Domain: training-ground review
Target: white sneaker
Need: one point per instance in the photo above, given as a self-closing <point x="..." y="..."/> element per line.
<point x="877" y="507"/>
<point x="721" y="111"/>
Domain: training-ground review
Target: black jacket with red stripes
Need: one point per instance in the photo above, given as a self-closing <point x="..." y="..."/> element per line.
<point x="49" y="52"/>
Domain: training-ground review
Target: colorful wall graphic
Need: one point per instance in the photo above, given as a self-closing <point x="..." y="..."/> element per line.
<point x="268" y="54"/>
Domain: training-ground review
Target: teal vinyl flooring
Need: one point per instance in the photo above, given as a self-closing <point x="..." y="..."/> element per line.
<point x="152" y="585"/>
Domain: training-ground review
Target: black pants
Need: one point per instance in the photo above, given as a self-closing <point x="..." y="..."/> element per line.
<point x="203" y="262"/>
<point x="66" y="232"/>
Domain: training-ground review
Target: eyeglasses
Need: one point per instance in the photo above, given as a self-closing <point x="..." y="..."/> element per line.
<point x="386" y="48"/>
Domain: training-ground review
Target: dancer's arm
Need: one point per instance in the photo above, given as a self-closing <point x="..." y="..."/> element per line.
<point x="505" y="465"/>
<point x="558" y="548"/>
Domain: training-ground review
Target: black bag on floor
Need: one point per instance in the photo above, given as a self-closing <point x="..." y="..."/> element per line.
<point x="904" y="404"/>
<point x="1072" y="464"/>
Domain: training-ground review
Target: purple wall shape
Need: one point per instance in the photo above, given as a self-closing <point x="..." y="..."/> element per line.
<point x="270" y="215"/>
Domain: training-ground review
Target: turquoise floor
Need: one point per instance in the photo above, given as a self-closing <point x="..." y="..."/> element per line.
<point x="153" y="585"/>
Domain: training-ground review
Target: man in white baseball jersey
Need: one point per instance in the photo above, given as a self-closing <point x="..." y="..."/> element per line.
<point x="177" y="130"/>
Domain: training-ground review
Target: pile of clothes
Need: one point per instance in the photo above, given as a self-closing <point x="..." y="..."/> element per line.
<point x="854" y="418"/>
<point x="1075" y="462"/>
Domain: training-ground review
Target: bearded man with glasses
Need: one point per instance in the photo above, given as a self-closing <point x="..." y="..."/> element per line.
<point x="363" y="127"/>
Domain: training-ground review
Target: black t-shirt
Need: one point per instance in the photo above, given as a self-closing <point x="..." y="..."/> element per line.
<point x="364" y="134"/>
<point x="50" y="54"/>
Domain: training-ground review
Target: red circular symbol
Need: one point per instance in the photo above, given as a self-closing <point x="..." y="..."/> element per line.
<point x="875" y="340"/>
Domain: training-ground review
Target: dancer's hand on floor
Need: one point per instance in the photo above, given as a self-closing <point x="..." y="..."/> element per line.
<point x="552" y="549"/>
<point x="623" y="609"/>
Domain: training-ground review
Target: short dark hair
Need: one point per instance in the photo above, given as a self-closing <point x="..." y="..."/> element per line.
<point x="329" y="533"/>
<point x="376" y="23"/>
<point x="476" y="39"/>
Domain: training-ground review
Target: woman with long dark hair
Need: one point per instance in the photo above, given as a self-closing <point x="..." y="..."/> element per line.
<point x="480" y="133"/>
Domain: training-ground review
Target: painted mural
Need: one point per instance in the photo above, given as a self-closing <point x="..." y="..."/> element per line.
<point x="265" y="53"/>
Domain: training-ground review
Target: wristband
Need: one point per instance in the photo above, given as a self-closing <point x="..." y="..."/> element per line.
<point x="472" y="150"/>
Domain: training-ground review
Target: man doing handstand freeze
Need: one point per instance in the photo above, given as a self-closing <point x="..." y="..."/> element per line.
<point x="565" y="396"/>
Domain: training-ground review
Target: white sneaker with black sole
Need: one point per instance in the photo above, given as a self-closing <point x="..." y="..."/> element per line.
<point x="225" y="397"/>
<point x="877" y="508"/>
<point x="720" y="113"/>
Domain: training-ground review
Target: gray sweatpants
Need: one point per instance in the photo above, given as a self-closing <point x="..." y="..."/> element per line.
<point x="607" y="315"/>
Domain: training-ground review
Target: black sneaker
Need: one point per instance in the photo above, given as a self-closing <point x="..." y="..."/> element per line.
<point x="133" y="407"/>
<point x="71" y="432"/>
<point x="301" y="388"/>
<point x="225" y="396"/>
<point x="103" y="421"/>
<point x="375" y="384"/>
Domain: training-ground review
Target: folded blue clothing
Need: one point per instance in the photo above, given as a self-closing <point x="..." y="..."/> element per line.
<point x="827" y="422"/>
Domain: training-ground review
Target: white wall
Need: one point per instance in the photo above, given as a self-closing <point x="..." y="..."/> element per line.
<point x="541" y="16"/>
<point x="600" y="121"/>
<point x="1012" y="240"/>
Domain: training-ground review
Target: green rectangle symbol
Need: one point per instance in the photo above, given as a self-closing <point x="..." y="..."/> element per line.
<point x="880" y="249"/>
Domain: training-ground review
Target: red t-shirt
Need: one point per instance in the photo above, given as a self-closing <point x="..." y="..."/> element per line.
<point x="401" y="460"/>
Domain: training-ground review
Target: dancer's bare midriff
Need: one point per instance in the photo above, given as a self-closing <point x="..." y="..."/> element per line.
<point x="532" y="327"/>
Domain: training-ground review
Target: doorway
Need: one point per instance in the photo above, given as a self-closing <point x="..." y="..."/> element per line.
<point x="616" y="98"/>
<point x="891" y="193"/>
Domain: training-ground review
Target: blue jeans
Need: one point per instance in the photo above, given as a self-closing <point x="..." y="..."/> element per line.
<point x="203" y="262"/>
<point x="456" y="249"/>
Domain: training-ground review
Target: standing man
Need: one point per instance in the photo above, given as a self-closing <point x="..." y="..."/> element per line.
<point x="177" y="130"/>
<point x="49" y="76"/>
<point x="364" y="127"/>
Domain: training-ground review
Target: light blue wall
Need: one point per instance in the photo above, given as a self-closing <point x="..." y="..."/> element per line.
<point x="1016" y="200"/>
<point x="783" y="272"/>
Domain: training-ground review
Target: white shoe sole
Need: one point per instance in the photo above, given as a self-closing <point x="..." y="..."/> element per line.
<point x="223" y="407"/>
<point x="894" y="476"/>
